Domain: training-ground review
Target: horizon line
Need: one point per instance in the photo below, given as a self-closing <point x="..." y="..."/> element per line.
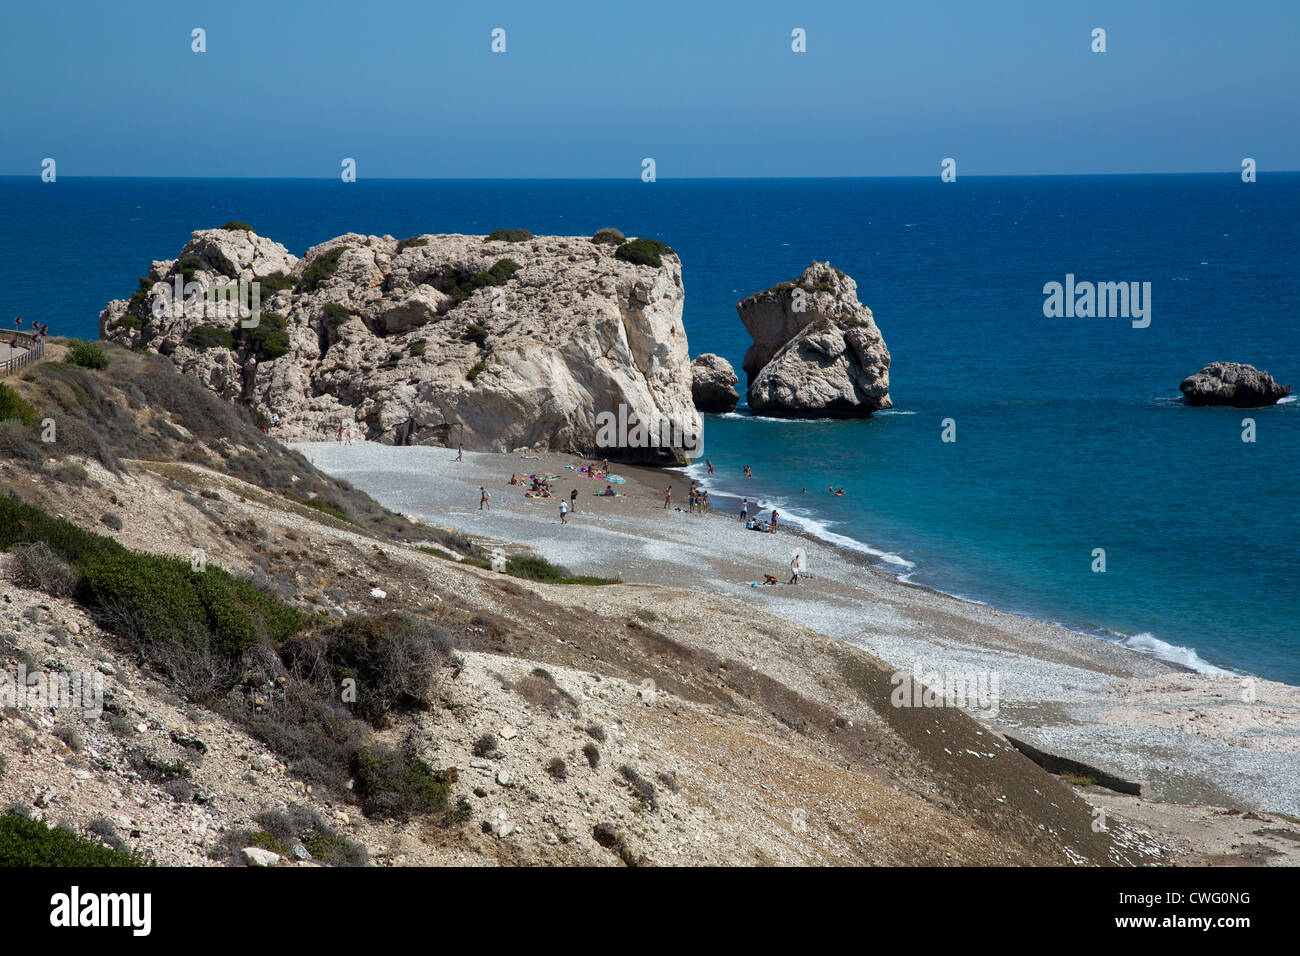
<point x="633" y="179"/>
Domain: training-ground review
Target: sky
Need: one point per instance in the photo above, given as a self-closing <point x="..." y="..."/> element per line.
<point x="413" y="89"/>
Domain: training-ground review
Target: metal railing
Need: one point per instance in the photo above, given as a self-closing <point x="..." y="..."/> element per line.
<point x="32" y="344"/>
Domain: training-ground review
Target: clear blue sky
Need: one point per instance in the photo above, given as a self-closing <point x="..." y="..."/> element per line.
<point x="411" y="89"/>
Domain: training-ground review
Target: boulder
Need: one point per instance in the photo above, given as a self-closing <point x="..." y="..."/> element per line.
<point x="444" y="340"/>
<point x="817" y="352"/>
<point x="1232" y="384"/>
<point x="713" y="383"/>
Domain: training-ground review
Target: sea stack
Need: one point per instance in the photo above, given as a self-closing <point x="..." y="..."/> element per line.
<point x="1234" y="385"/>
<point x="817" y="352"/>
<point x="713" y="383"/>
<point x="501" y="342"/>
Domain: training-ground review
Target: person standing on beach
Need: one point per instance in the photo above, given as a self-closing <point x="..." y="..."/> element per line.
<point x="340" y="433"/>
<point x="710" y="464"/>
<point x="668" y="496"/>
<point x="794" y="570"/>
<point x="564" y="512"/>
<point x="573" y="500"/>
<point x="484" y="499"/>
<point x="460" y="452"/>
<point x="774" y="518"/>
<point x="744" y="509"/>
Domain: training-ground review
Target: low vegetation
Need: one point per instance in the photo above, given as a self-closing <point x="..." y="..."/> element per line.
<point x="398" y="785"/>
<point x="322" y="267"/>
<point x="461" y="284"/>
<point x="644" y="252"/>
<point x="508" y="235"/>
<point x="86" y="354"/>
<point x="14" y="407"/>
<point x="236" y="224"/>
<point x="25" y="842"/>
<point x="608" y="237"/>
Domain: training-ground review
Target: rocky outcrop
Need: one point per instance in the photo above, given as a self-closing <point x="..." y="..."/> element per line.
<point x="817" y="352"/>
<point x="1232" y="384"/>
<point x="436" y="339"/>
<point x="713" y="383"/>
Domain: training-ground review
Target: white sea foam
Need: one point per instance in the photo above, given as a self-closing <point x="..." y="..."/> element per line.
<point x="1152" y="646"/>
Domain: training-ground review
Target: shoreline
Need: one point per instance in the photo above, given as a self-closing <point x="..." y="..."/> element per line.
<point x="1191" y="738"/>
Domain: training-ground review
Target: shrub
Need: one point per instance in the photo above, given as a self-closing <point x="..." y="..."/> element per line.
<point x="191" y="263"/>
<point x="86" y="354"/>
<point x="485" y="746"/>
<point x="557" y="769"/>
<point x="335" y="315"/>
<point x="392" y="657"/>
<point x="269" y="339"/>
<point x="643" y="788"/>
<point x="596" y="732"/>
<point x="269" y="285"/>
<point x="475" y="371"/>
<point x="508" y="235"/>
<point x="14" y="406"/>
<point x="643" y="252"/>
<point x="321" y="268"/>
<point x="533" y="567"/>
<point x="476" y="333"/>
<point x="398" y="786"/>
<point x="540" y="690"/>
<point x="111" y="520"/>
<point x="417" y="349"/>
<point x="411" y="242"/>
<point x="204" y="337"/>
<point x="610" y="237"/>
<point x="37" y="566"/>
<point x="73" y="473"/>
<point x="592" y="753"/>
<point x="236" y="224"/>
<point x="460" y="285"/>
<point x="71" y="738"/>
<point x="326" y="508"/>
<point x="192" y="626"/>
<point x="25" y="842"/>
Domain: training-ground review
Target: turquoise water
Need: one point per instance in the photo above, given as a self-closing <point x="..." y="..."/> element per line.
<point x="1070" y="432"/>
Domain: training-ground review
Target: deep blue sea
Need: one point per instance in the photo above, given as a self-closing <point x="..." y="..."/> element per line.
<point x="1070" y="432"/>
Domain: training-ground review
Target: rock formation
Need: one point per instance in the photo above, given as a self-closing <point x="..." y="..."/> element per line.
<point x="817" y="352"/>
<point x="1233" y="384"/>
<point x="713" y="383"/>
<point x="437" y="339"/>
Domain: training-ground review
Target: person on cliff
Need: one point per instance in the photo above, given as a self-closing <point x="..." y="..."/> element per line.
<point x="484" y="499"/>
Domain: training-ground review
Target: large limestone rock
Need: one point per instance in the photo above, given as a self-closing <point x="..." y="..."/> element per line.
<point x="713" y="383"/>
<point x="817" y="352"/>
<point x="1234" y="384"/>
<point x="439" y="340"/>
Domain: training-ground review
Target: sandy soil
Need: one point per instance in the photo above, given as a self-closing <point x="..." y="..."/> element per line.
<point x="1192" y="739"/>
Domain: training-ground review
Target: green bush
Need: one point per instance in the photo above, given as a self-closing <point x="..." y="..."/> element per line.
<point x="412" y="242"/>
<point x="417" y="349"/>
<point x="191" y="263"/>
<point x="269" y="339"/>
<point x="478" y="368"/>
<point x="269" y="285"/>
<point x="321" y="268"/>
<point x="644" y="252"/>
<point x="392" y="785"/>
<point x="13" y="405"/>
<point x="86" y="354"/>
<point x="476" y="333"/>
<point x="508" y="235"/>
<point x="25" y="842"/>
<point x="204" y="337"/>
<point x="609" y="237"/>
<point x="533" y="567"/>
<point x="236" y="224"/>
<point x="461" y="285"/>
<point x="335" y="314"/>
<point x="174" y="616"/>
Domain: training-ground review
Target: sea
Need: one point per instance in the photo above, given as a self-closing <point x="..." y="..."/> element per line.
<point x="1077" y="486"/>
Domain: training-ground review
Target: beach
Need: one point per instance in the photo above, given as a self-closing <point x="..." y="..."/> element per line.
<point x="1193" y="739"/>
